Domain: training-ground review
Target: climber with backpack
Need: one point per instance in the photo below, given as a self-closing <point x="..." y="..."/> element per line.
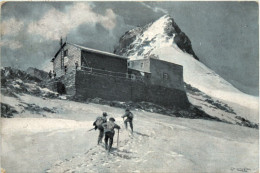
<point x="129" y="118"/>
<point x="98" y="125"/>
<point x="110" y="132"/>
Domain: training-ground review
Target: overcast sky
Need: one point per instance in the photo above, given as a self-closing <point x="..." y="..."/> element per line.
<point x="224" y="35"/>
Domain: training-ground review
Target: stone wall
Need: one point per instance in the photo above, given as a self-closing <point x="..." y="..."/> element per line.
<point x="123" y="89"/>
<point x="91" y="84"/>
<point x="74" y="54"/>
<point x="102" y="86"/>
<point x="57" y="65"/>
<point x="67" y="80"/>
<point x="166" y="74"/>
<point x="158" y="69"/>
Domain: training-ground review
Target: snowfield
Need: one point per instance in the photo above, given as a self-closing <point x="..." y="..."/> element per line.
<point x="60" y="142"/>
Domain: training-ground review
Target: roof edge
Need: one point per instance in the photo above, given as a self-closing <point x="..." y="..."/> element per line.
<point x="97" y="51"/>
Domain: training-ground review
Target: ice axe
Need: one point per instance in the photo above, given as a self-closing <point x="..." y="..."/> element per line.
<point x="123" y="119"/>
<point x="92" y="129"/>
<point x="117" y="138"/>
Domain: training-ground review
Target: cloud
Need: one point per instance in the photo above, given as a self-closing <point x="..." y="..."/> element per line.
<point x="55" y="23"/>
<point x="11" y="26"/>
<point x="12" y="44"/>
<point x="155" y="9"/>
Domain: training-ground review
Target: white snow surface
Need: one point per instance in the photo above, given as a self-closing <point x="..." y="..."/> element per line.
<point x="60" y="142"/>
<point x="194" y="72"/>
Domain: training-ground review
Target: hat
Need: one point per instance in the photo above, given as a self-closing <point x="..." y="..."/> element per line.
<point x="126" y="109"/>
<point x="104" y="114"/>
<point x="112" y="119"/>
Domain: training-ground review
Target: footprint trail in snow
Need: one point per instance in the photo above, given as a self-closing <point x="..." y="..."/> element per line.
<point x="97" y="159"/>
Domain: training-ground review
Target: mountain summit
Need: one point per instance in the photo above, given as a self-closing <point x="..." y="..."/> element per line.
<point x="164" y="31"/>
<point x="164" y="40"/>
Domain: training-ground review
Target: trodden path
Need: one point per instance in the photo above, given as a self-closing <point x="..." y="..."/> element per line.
<point x="167" y="144"/>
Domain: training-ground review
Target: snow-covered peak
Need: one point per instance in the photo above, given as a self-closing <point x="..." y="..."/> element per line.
<point x="165" y="40"/>
<point x="142" y="40"/>
<point x="156" y="29"/>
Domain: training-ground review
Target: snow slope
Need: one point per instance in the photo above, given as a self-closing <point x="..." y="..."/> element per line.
<point x="59" y="142"/>
<point x="154" y="41"/>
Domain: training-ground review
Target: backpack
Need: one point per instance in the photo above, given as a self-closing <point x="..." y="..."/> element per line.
<point x="130" y="115"/>
<point x="99" y="121"/>
<point x="109" y="127"/>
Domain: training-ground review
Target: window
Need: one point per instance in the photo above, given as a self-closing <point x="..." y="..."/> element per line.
<point x="65" y="69"/>
<point x="66" y="60"/>
<point x="165" y="76"/>
<point x="65" y="52"/>
<point x="142" y="65"/>
<point x="133" y="77"/>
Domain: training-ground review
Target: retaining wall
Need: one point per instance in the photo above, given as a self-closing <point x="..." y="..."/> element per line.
<point x="89" y="85"/>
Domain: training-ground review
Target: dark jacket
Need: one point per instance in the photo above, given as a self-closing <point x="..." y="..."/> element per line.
<point x="129" y="115"/>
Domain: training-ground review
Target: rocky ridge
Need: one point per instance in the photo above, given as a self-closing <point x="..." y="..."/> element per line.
<point x="127" y="42"/>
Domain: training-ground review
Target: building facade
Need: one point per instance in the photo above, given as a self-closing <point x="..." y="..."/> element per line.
<point x="163" y="73"/>
<point x="89" y="73"/>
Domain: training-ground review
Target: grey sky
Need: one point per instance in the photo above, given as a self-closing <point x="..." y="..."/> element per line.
<point x="224" y="35"/>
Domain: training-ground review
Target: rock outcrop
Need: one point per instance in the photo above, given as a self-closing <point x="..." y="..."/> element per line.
<point x="170" y="30"/>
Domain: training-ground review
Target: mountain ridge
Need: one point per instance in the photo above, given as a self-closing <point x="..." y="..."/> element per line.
<point x="152" y="41"/>
<point x="171" y="29"/>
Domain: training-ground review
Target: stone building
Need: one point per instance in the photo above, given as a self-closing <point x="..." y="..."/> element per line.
<point x="89" y="73"/>
<point x="71" y="55"/>
<point x="162" y="73"/>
